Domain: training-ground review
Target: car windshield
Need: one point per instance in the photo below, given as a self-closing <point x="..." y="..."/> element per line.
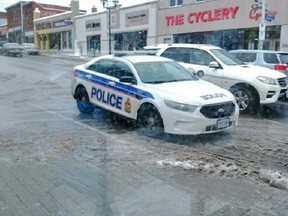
<point x="283" y="58"/>
<point x="162" y="72"/>
<point x="225" y="57"/>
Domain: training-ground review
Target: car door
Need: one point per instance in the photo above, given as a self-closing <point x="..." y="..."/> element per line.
<point x="212" y="69"/>
<point x="107" y="91"/>
<point x="196" y="60"/>
<point x="101" y="86"/>
<point x="127" y="90"/>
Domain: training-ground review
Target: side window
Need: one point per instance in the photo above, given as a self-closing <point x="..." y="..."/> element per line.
<point x="271" y="58"/>
<point x="121" y="69"/>
<point x="247" y="57"/>
<point x="102" y="66"/>
<point x="177" y="54"/>
<point x="200" y="57"/>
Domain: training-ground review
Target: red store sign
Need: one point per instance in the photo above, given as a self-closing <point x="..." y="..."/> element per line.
<point x="203" y="16"/>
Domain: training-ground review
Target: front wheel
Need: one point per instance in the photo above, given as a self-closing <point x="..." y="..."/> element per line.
<point x="150" y="121"/>
<point x="82" y="101"/>
<point x="246" y="100"/>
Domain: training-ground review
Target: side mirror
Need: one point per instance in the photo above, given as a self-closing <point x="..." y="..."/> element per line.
<point x="127" y="79"/>
<point x="214" y="64"/>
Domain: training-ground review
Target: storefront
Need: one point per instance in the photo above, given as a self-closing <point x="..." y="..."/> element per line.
<point x="131" y="29"/>
<point x="54" y="32"/>
<point x="230" y="24"/>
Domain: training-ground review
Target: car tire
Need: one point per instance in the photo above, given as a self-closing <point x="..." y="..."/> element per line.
<point x="150" y="121"/>
<point x="246" y="99"/>
<point x="82" y="101"/>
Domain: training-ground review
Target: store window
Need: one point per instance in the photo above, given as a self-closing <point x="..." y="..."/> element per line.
<point x="64" y="40"/>
<point x="70" y="39"/>
<point x="233" y="38"/>
<point x="130" y="40"/>
<point x="93" y="44"/>
<point x="176" y="3"/>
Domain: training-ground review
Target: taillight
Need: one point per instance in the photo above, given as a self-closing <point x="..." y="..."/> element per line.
<point x="280" y="67"/>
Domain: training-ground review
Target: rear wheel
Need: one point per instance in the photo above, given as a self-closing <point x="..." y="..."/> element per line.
<point x="82" y="101"/>
<point x="150" y="120"/>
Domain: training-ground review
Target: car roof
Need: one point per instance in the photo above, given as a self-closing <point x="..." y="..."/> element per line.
<point x="144" y="58"/>
<point x="197" y="46"/>
<point x="254" y="51"/>
<point x="12" y="44"/>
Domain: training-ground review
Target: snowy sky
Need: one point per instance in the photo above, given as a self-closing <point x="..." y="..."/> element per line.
<point x="84" y="4"/>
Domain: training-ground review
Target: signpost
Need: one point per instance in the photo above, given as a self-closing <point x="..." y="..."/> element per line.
<point x="262" y="26"/>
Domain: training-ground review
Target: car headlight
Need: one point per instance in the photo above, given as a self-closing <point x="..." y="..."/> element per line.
<point x="180" y="106"/>
<point x="266" y="80"/>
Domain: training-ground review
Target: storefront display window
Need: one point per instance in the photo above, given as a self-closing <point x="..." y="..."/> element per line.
<point x="130" y="40"/>
<point x="69" y="39"/>
<point x="93" y="43"/>
<point x="64" y="40"/>
<point x="233" y="38"/>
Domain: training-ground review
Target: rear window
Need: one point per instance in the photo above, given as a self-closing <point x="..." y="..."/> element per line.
<point x="271" y="58"/>
<point x="283" y="58"/>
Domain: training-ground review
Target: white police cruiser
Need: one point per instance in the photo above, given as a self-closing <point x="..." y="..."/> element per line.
<point x="157" y="92"/>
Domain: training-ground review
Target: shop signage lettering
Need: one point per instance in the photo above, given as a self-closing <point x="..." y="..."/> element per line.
<point x="255" y="13"/>
<point x="92" y="25"/>
<point x="136" y="16"/>
<point x="203" y="16"/>
<point x="62" y="23"/>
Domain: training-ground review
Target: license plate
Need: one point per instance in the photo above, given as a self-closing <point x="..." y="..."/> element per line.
<point x="222" y="123"/>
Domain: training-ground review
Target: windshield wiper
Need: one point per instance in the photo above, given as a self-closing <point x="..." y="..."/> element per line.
<point x="155" y="82"/>
<point x="178" y="80"/>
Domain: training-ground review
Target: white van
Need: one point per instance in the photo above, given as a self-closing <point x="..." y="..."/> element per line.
<point x="251" y="85"/>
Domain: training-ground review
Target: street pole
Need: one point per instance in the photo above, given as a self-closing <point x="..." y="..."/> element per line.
<point x="21" y="21"/>
<point x="262" y="27"/>
<point x="106" y="5"/>
<point x="109" y="33"/>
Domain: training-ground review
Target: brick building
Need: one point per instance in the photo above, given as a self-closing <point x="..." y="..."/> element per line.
<point x="14" y="18"/>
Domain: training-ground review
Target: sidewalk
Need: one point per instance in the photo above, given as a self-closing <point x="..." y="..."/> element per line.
<point x="66" y="54"/>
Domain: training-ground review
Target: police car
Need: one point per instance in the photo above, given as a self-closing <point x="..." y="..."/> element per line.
<point x="157" y="92"/>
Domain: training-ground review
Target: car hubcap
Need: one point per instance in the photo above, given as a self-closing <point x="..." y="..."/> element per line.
<point x="242" y="99"/>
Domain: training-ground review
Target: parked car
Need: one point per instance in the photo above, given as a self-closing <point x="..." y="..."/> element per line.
<point x="276" y="60"/>
<point x="12" y="49"/>
<point x="251" y="85"/>
<point x="157" y="92"/>
<point x="30" y="49"/>
<point x="1" y="46"/>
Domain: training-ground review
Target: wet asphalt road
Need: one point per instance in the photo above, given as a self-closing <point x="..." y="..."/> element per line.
<point x="55" y="161"/>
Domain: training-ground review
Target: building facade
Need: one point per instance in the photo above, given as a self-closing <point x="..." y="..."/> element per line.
<point x="131" y="28"/>
<point x="3" y="27"/>
<point x="57" y="31"/>
<point x="24" y="31"/>
<point x="230" y="24"/>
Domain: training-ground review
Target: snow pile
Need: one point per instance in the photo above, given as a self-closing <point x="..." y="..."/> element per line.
<point x="222" y="168"/>
<point x="274" y="178"/>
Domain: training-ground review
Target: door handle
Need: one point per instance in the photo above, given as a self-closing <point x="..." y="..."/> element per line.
<point x="111" y="83"/>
